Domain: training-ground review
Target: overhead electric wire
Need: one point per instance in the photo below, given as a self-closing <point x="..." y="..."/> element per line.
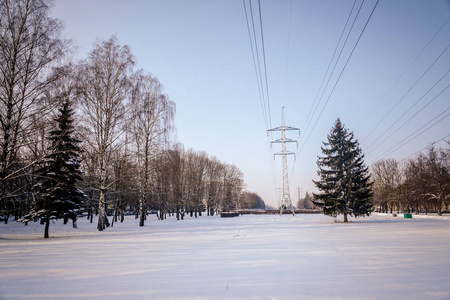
<point x="340" y="75"/>
<point x="404" y="72"/>
<point x="416" y="113"/>
<point x="259" y="83"/>
<point x="316" y="103"/>
<point x="264" y="59"/>
<point x="260" y="80"/>
<point x="267" y="84"/>
<point x="441" y="139"/>
<point x="403" y="97"/>
<point x="398" y="146"/>
<point x="337" y="81"/>
<point x="398" y="119"/>
<point x="258" y="74"/>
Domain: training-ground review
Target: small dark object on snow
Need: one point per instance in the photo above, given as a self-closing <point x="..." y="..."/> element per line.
<point x="229" y="214"/>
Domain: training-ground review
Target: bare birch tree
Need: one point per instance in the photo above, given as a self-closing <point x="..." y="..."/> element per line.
<point x="105" y="88"/>
<point x="233" y="185"/>
<point x="415" y="185"/>
<point x="194" y="168"/>
<point x="212" y="185"/>
<point x="387" y="177"/>
<point x="174" y="166"/>
<point x="153" y="116"/>
<point x="439" y="179"/>
<point x="29" y="46"/>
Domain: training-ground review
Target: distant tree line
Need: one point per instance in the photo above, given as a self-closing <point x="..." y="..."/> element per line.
<point x="251" y="201"/>
<point x="94" y="136"/>
<point x="306" y="202"/>
<point x="418" y="185"/>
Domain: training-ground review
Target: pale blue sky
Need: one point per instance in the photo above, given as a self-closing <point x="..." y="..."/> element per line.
<point x="200" y="51"/>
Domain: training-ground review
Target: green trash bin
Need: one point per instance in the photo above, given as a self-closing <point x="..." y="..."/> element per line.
<point x="407" y="216"/>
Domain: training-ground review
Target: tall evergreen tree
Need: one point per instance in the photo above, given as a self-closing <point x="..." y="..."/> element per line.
<point x="57" y="195"/>
<point x="344" y="179"/>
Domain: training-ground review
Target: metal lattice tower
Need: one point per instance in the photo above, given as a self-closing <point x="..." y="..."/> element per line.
<point x="286" y="198"/>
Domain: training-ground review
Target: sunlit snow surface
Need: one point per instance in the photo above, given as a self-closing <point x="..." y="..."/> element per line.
<point x="248" y="257"/>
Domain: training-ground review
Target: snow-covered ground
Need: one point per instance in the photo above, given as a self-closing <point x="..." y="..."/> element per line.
<point x="248" y="257"/>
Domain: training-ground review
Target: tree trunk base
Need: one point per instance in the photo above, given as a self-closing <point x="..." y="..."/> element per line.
<point x="47" y="225"/>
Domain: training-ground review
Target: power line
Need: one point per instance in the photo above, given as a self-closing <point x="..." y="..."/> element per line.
<point x="340" y="75"/>
<point x="308" y="119"/>
<point x="441" y="139"/>
<point x="407" y="92"/>
<point x="411" y="137"/>
<point x="256" y="71"/>
<point x="267" y="85"/>
<point x="337" y="81"/>
<point x="258" y="74"/>
<point x="404" y="72"/>
<point x="259" y="64"/>
<point x="265" y="67"/>
<point x="415" y="114"/>
<point x="409" y="109"/>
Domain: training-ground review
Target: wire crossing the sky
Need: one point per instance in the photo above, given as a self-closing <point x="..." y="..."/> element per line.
<point x="339" y="77"/>
<point x="415" y="134"/>
<point x="407" y="92"/>
<point x="411" y="107"/>
<point x="317" y="100"/>
<point x="426" y="87"/>
<point x="404" y="72"/>
<point x="256" y="62"/>
<point x="441" y="139"/>
<point x="264" y="59"/>
<point x="263" y="86"/>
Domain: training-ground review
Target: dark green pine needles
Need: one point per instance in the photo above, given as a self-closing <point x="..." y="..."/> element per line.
<point x="57" y="195"/>
<point x="344" y="179"/>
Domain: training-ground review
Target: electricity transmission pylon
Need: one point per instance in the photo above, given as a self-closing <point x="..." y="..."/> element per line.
<point x="286" y="197"/>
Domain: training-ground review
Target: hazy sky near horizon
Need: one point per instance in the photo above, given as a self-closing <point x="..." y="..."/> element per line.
<point x="391" y="90"/>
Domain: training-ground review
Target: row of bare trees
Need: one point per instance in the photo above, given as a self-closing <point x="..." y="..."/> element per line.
<point x="172" y="182"/>
<point x="421" y="184"/>
<point x="125" y="120"/>
<point x="191" y="182"/>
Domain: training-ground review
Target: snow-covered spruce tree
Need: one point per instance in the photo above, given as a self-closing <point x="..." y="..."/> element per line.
<point x="57" y="195"/>
<point x="344" y="179"/>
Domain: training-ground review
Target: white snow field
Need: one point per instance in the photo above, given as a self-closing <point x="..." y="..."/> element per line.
<point x="248" y="257"/>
